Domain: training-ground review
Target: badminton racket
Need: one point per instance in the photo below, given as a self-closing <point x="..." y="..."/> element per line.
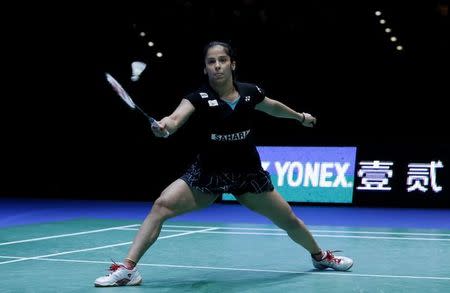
<point x="117" y="87"/>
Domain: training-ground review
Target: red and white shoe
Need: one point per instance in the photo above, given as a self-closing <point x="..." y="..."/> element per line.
<point x="329" y="260"/>
<point x="119" y="276"/>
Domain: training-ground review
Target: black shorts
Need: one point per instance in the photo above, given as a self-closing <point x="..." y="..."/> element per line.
<point x="236" y="183"/>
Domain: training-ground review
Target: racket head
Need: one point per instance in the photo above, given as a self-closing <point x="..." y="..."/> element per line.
<point x="117" y="87"/>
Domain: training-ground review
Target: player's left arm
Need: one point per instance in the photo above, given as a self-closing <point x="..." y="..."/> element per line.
<point x="278" y="109"/>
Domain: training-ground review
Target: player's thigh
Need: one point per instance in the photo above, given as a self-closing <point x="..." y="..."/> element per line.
<point x="270" y="204"/>
<point x="179" y="198"/>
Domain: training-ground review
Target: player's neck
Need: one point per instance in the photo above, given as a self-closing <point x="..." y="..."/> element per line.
<point x="225" y="91"/>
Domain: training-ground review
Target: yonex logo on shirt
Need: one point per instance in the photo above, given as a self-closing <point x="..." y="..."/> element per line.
<point x="230" y="137"/>
<point x="204" y="95"/>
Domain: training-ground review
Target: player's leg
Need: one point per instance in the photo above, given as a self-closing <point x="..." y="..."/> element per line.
<point x="272" y="205"/>
<point x="176" y="199"/>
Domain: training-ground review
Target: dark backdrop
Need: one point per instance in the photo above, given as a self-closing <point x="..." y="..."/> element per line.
<point x="65" y="133"/>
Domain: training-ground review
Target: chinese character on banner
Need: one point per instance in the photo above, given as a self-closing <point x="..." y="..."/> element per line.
<point x="420" y="175"/>
<point x="375" y="175"/>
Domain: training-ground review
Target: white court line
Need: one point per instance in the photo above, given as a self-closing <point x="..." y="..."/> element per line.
<point x="319" y="231"/>
<point x="6" y="256"/>
<point x="378" y="237"/>
<point x="246" y="229"/>
<point x="98" y="247"/>
<point x="235" y="228"/>
<point x="315" y="235"/>
<point x="323" y="273"/>
<point x="67" y="235"/>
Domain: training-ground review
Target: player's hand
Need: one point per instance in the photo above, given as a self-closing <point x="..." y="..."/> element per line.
<point x="159" y="129"/>
<point x="308" y="120"/>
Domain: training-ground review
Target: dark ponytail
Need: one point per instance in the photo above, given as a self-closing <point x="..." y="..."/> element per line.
<point x="227" y="47"/>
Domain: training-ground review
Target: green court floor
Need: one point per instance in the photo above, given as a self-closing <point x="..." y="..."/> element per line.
<point x="210" y="257"/>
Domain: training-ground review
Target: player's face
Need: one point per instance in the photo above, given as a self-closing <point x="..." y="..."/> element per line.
<point x="218" y="65"/>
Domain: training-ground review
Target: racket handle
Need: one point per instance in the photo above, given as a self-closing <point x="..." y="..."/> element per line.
<point x="155" y="124"/>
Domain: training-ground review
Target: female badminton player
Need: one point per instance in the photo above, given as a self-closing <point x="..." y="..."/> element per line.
<point x="228" y="162"/>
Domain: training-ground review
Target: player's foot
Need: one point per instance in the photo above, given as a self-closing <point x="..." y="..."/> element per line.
<point x="329" y="260"/>
<point x="119" y="275"/>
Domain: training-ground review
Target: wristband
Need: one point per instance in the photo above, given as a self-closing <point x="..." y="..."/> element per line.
<point x="304" y="117"/>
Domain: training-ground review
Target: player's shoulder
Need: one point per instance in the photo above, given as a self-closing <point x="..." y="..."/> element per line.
<point x="202" y="92"/>
<point x="249" y="88"/>
<point x="245" y="85"/>
<point x="201" y="97"/>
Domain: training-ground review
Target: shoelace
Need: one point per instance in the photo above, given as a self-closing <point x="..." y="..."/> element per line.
<point x="330" y="256"/>
<point x="114" y="267"/>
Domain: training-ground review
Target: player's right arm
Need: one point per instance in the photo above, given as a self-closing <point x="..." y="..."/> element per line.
<point x="175" y="120"/>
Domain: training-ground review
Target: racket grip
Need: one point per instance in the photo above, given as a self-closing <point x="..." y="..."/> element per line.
<point x="155" y="124"/>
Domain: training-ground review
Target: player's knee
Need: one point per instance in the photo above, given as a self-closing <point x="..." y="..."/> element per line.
<point x="162" y="209"/>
